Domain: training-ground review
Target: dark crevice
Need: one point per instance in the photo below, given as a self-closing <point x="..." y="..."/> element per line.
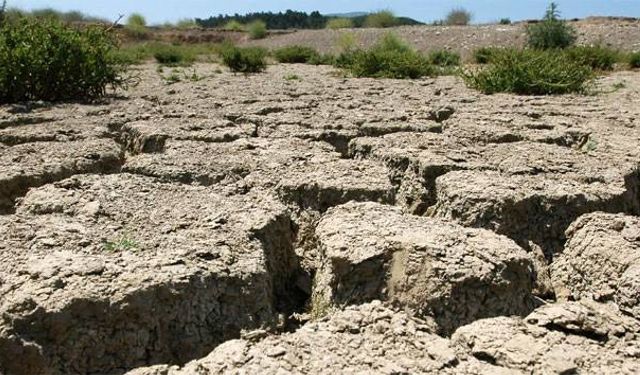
<point x="592" y="335"/>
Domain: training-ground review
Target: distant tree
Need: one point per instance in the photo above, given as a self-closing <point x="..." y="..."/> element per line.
<point x="459" y="16"/>
<point x="136" y="20"/>
<point x="3" y="8"/>
<point x="505" y="21"/>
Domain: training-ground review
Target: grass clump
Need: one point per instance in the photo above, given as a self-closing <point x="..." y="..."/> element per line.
<point x="458" y="17"/>
<point x="381" y="19"/>
<point x="295" y="54"/>
<point x="233" y="25"/>
<point x="634" y="60"/>
<point x="123" y="243"/>
<point x="339" y="23"/>
<point x="596" y="57"/>
<point x="45" y="59"/>
<point x="389" y="58"/>
<point x="551" y="32"/>
<point x="244" y="60"/>
<point x="531" y="72"/>
<point x="257" y="29"/>
<point x="444" y="58"/>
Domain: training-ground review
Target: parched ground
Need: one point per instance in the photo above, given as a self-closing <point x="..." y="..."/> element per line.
<point x="300" y="222"/>
<point x="616" y="33"/>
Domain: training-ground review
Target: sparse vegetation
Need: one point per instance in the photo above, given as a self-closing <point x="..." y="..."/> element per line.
<point x="292" y="77"/>
<point x="339" y="23"/>
<point x="551" y="32"/>
<point x="458" y="17"/>
<point x="186" y="23"/>
<point x="233" y="25"/>
<point x="78" y="66"/>
<point x="295" y="54"/>
<point x="531" y="72"/>
<point x="138" y="53"/>
<point x="257" y="29"/>
<point x="444" y="58"/>
<point x="244" y="60"/>
<point x="381" y="19"/>
<point x="389" y="58"/>
<point x="596" y="57"/>
<point x="123" y="243"/>
<point x="634" y="60"/>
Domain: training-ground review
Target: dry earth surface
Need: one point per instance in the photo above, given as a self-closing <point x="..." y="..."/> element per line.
<point x="259" y="224"/>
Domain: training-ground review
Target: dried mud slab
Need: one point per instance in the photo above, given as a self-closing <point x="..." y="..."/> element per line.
<point x="56" y="131"/>
<point x="534" y="210"/>
<point x="308" y="174"/>
<point x="563" y="338"/>
<point x="34" y="164"/>
<point x="151" y="135"/>
<point x="105" y="273"/>
<point x="431" y="267"/>
<point x="369" y="338"/>
<point x="601" y="261"/>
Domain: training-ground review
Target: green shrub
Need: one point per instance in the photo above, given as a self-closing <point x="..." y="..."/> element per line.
<point x="484" y="55"/>
<point x="295" y="54"/>
<point x="322" y="59"/>
<point x="634" y="60"/>
<point x="174" y="56"/>
<point x="444" y="58"/>
<point x="339" y="23"/>
<point x="531" y="72"/>
<point x="381" y="19"/>
<point x="233" y="25"/>
<point x="136" y="26"/>
<point x="459" y="17"/>
<point x="389" y="58"/>
<point x="505" y="21"/>
<point x="44" y="59"/>
<point x="551" y="32"/>
<point x="596" y="57"/>
<point x="257" y="29"/>
<point x="244" y="60"/>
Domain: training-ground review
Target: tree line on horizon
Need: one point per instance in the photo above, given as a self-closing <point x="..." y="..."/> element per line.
<point x="289" y="20"/>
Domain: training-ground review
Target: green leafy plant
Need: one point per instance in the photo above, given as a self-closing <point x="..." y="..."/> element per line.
<point x="531" y="72"/>
<point x="389" y="58"/>
<point x="458" y="17"/>
<point x="551" y="32"/>
<point x="339" y="23"/>
<point x="257" y="29"/>
<point x="381" y="19"/>
<point x="444" y="58"/>
<point x="244" y="60"/>
<point x="597" y="57"/>
<point x="295" y="54"/>
<point x="233" y="25"/>
<point x="634" y="60"/>
<point x="45" y="59"/>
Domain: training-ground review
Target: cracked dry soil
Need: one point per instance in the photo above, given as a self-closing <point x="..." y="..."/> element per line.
<point x="263" y="225"/>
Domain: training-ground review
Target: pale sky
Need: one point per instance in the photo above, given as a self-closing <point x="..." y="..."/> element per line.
<point x="423" y="10"/>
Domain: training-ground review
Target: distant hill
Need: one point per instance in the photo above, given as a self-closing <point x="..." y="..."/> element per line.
<point x="292" y="19"/>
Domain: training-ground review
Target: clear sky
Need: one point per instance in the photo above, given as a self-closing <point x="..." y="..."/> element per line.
<point x="157" y="11"/>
